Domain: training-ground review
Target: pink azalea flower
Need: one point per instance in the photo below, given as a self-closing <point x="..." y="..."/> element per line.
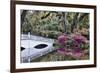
<point x="68" y="53"/>
<point x="77" y="53"/>
<point x="64" y="52"/>
<point x="61" y="51"/>
<point x="79" y="38"/>
<point x="77" y="50"/>
<point x="62" y="39"/>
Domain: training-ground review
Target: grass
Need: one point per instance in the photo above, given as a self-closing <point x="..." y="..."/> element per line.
<point x="55" y="56"/>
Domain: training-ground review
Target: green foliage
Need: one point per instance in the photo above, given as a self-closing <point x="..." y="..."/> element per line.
<point x="84" y="46"/>
<point x="51" y="24"/>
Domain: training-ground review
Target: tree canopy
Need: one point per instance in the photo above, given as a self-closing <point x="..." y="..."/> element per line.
<point x="51" y="23"/>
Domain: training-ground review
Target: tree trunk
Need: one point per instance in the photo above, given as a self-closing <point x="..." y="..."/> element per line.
<point x="75" y="22"/>
<point x="64" y="21"/>
<point x="23" y="14"/>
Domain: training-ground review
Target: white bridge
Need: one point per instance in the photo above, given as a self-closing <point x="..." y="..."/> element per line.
<point x="33" y="47"/>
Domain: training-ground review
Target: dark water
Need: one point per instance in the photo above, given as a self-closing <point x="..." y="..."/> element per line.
<point x="41" y="46"/>
<point x="22" y="48"/>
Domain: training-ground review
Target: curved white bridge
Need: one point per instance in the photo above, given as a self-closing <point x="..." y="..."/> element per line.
<point x="30" y="50"/>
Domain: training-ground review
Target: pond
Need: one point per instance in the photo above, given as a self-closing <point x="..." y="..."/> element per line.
<point x="40" y="46"/>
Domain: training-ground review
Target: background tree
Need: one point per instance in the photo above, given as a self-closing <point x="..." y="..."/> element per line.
<point x="51" y="24"/>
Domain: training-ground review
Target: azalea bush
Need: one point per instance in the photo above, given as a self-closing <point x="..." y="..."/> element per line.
<point x="74" y="45"/>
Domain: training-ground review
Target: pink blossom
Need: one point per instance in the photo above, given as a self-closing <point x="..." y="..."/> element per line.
<point x="62" y="39"/>
<point x="68" y="53"/>
<point x="64" y="52"/>
<point x="77" y="53"/>
<point x="79" y="38"/>
<point x="61" y="51"/>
